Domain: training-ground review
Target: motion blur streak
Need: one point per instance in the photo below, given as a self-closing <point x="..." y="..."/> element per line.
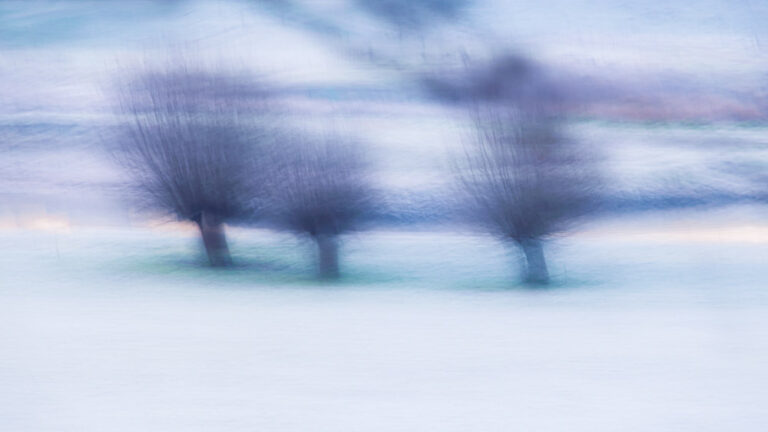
<point x="383" y="215"/>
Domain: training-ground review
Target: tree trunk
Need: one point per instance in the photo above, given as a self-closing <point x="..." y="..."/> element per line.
<point x="214" y="240"/>
<point x="328" y="256"/>
<point x="535" y="272"/>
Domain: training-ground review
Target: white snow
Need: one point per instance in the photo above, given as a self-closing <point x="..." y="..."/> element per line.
<point x="122" y="330"/>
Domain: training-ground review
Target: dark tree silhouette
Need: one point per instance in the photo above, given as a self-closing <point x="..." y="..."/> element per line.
<point x="525" y="180"/>
<point x="188" y="140"/>
<point x="320" y="188"/>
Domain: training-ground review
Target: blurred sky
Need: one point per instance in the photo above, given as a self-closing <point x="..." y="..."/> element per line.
<point x="697" y="60"/>
<point x="62" y="52"/>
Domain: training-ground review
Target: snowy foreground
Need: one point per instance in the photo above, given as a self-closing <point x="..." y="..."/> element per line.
<point x="123" y="330"/>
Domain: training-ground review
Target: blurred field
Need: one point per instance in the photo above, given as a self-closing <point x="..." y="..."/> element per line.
<point x="107" y="329"/>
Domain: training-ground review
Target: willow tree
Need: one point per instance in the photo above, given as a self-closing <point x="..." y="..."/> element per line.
<point x="526" y="180"/>
<point x="320" y="188"/>
<point x="190" y="139"/>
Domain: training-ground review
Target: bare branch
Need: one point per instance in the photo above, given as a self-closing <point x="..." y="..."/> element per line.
<point x="320" y="188"/>
<point x="190" y="141"/>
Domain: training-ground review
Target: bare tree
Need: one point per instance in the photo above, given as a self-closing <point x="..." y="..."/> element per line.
<point x="525" y="180"/>
<point x="320" y="188"/>
<point x="188" y="140"/>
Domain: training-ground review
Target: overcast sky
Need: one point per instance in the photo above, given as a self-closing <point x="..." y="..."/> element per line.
<point x="60" y="53"/>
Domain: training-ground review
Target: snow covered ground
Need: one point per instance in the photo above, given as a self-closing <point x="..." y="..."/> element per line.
<point x="124" y="330"/>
